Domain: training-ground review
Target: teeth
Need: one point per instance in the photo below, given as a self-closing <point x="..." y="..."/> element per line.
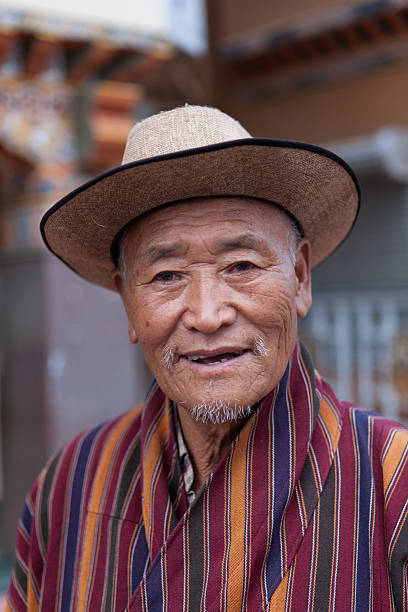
<point x="198" y="357"/>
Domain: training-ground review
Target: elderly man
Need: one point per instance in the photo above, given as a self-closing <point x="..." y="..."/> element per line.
<point x="242" y="483"/>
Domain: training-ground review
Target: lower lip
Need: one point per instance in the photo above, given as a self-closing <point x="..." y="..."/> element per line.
<point x="212" y="368"/>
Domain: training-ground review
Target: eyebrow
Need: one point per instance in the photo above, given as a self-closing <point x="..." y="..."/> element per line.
<point x="244" y="241"/>
<point x="157" y="251"/>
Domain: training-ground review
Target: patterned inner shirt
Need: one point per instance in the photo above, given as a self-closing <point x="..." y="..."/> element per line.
<point x="186" y="464"/>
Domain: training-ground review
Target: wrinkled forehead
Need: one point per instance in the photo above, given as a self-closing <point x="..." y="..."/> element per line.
<point x="204" y="211"/>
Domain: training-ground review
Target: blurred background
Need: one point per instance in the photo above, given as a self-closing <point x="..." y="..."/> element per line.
<point x="75" y="76"/>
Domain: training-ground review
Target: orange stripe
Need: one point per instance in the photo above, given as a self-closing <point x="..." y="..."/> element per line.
<point x="329" y="419"/>
<point x="92" y="520"/>
<point x="237" y="521"/>
<point x="32" y="601"/>
<point x="393" y="456"/>
<point x="151" y="456"/>
<point x="278" y="599"/>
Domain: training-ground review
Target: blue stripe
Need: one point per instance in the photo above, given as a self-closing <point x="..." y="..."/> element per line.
<point x="281" y="478"/>
<point x="365" y="482"/>
<point x="74" y="512"/>
<point x="26" y="518"/>
<point x="154" y="586"/>
<point x="138" y="562"/>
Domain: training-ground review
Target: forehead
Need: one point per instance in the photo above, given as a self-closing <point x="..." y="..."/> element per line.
<point x="215" y="217"/>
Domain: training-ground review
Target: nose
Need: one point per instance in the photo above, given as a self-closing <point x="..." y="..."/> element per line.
<point x="207" y="306"/>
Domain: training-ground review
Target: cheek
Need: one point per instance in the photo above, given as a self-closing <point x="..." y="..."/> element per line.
<point x="150" y="331"/>
<point x="273" y="305"/>
<point x="153" y="320"/>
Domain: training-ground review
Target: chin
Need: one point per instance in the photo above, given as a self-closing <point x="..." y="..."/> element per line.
<point x="219" y="411"/>
<point x="220" y="397"/>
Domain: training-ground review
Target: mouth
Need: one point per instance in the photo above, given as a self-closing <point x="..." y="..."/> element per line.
<point x="211" y="358"/>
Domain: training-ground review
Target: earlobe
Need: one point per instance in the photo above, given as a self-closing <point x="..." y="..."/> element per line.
<point x="117" y="281"/>
<point x="119" y="284"/>
<point x="132" y="335"/>
<point x="303" y="279"/>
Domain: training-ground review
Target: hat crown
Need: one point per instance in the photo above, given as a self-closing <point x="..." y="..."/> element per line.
<point x="186" y="127"/>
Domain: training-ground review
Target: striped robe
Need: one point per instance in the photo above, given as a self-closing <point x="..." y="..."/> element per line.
<point x="307" y="510"/>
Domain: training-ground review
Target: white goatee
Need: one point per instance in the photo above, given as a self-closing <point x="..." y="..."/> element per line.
<point x="218" y="411"/>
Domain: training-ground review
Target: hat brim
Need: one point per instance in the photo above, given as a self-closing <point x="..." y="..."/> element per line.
<point x="316" y="186"/>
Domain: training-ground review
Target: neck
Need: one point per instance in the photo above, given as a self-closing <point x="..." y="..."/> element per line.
<point x="206" y="443"/>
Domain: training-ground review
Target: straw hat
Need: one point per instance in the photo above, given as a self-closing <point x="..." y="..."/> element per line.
<point x="195" y="151"/>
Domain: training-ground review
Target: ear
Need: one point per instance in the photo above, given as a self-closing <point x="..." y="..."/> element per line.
<point x="120" y="286"/>
<point x="118" y="282"/>
<point x="303" y="278"/>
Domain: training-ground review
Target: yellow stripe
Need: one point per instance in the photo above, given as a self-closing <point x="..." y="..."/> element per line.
<point x="238" y="489"/>
<point x="149" y="464"/>
<point x="32" y="601"/>
<point x="329" y="419"/>
<point x="92" y="520"/>
<point x="106" y="460"/>
<point x="393" y="456"/>
<point x="278" y="599"/>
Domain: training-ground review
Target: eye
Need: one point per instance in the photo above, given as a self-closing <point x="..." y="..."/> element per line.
<point x="165" y="277"/>
<point x="242" y="266"/>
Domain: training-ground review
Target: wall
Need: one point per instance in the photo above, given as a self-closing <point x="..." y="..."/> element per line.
<point x="23" y="407"/>
<point x="93" y="372"/>
<point x="375" y="255"/>
<point x="68" y="366"/>
<point x="236" y="17"/>
<point x="346" y="108"/>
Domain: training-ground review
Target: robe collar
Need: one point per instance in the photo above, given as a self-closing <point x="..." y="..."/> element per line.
<point x="240" y="535"/>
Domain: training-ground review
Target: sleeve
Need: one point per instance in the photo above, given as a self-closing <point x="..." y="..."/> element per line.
<point x="23" y="591"/>
<point x="395" y="481"/>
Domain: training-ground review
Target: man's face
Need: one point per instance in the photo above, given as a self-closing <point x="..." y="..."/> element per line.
<point x="212" y="293"/>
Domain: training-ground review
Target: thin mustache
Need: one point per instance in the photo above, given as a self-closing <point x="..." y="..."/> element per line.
<point x="170" y="355"/>
<point x="259" y="347"/>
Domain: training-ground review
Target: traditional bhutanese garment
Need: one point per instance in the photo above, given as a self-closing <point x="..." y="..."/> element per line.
<point x="307" y="510"/>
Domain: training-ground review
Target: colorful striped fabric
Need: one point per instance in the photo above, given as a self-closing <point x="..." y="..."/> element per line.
<point x="306" y="511"/>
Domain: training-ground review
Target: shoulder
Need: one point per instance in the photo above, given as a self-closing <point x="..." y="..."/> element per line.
<point x="58" y="502"/>
<point x="71" y="473"/>
<point x="383" y="429"/>
<point x="382" y="436"/>
<point x="89" y="446"/>
<point x="384" y="440"/>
